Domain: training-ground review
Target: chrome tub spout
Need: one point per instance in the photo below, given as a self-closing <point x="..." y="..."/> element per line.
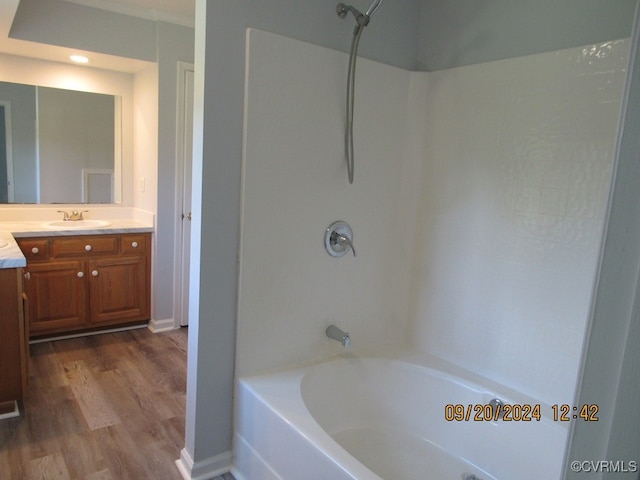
<point x="335" y="333"/>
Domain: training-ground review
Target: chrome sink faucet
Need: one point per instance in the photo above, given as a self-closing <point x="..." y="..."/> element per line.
<point x="335" y="333"/>
<point x="74" y="216"/>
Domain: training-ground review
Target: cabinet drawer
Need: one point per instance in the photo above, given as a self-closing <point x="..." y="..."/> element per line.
<point x="133" y="244"/>
<point x="35" y="248"/>
<point x="84" y="245"/>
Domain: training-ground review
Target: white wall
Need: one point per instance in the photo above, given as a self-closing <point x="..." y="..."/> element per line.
<point x="295" y="185"/>
<point x="518" y="156"/>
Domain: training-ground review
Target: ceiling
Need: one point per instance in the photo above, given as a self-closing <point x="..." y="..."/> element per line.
<point x="181" y="12"/>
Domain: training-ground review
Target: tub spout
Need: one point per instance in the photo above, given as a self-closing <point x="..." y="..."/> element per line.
<point x="335" y="333"/>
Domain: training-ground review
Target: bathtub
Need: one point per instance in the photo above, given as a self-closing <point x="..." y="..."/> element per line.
<point x="384" y="418"/>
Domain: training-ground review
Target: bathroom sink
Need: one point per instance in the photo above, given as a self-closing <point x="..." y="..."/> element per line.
<point x="78" y="224"/>
<point x="3" y="243"/>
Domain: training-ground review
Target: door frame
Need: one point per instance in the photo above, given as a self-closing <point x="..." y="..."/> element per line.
<point x="182" y="196"/>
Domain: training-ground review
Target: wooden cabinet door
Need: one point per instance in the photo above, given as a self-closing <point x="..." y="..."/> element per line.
<point x="57" y="296"/>
<point x="12" y="347"/>
<point x="119" y="289"/>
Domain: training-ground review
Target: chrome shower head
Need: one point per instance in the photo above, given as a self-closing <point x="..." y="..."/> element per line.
<point x="361" y="18"/>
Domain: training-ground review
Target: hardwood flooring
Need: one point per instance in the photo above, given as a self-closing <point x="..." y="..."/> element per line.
<point x="102" y="407"/>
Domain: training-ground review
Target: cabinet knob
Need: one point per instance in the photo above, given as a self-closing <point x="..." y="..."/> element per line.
<point x="27" y="275"/>
<point x="134" y="244"/>
<point x="80" y="274"/>
<point x="94" y="273"/>
<point x="35" y="250"/>
<point x="88" y="248"/>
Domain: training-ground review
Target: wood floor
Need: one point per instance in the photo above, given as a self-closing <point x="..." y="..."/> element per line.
<point x="103" y="407"/>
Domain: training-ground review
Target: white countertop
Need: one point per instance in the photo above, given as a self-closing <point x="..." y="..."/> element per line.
<point x="11" y="256"/>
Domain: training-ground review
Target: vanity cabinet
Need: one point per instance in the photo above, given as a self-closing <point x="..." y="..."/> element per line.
<point x="86" y="282"/>
<point x="13" y="340"/>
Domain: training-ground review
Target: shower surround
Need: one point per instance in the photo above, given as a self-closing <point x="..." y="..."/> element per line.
<point x="517" y="160"/>
<point x="295" y="186"/>
<point x="477" y="211"/>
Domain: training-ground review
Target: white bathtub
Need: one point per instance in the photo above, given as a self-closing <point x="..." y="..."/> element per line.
<point x="384" y="418"/>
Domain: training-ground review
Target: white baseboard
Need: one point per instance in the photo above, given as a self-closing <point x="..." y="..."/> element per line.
<point x="204" y="469"/>
<point x="87" y="334"/>
<point x="165" y="325"/>
<point x="236" y="474"/>
<point x="15" y="413"/>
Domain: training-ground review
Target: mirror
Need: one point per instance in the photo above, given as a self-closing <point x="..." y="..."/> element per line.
<point x="58" y="146"/>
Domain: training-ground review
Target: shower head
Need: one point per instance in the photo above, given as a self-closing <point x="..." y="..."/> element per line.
<point x="361" y="18"/>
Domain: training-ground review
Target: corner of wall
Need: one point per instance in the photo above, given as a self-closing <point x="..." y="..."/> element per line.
<point x="144" y="175"/>
<point x="204" y="469"/>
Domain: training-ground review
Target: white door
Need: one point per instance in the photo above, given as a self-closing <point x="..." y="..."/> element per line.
<point x="185" y="147"/>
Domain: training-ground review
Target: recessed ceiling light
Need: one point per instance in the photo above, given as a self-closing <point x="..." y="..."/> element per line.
<point x="79" y="59"/>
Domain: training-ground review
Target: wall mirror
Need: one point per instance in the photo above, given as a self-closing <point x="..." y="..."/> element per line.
<point x="59" y="146"/>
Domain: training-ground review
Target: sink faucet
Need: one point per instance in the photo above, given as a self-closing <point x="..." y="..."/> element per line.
<point x="74" y="216"/>
<point x="335" y="333"/>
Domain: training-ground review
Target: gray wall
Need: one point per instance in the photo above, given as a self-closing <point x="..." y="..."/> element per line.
<point x="220" y="54"/>
<point x="175" y="43"/>
<point x="391" y="37"/>
<point x="23" y="120"/>
<point x="4" y="180"/>
<point x="411" y="34"/>
<point x="68" y="24"/>
<point x="462" y="32"/>
<point x="445" y="37"/>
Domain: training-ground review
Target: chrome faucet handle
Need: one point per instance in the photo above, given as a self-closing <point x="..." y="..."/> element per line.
<point x="338" y="239"/>
<point x="66" y="215"/>
<point x="342" y="240"/>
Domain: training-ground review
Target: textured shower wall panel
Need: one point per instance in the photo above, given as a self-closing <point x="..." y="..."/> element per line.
<point x="517" y="166"/>
<point x="295" y="184"/>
